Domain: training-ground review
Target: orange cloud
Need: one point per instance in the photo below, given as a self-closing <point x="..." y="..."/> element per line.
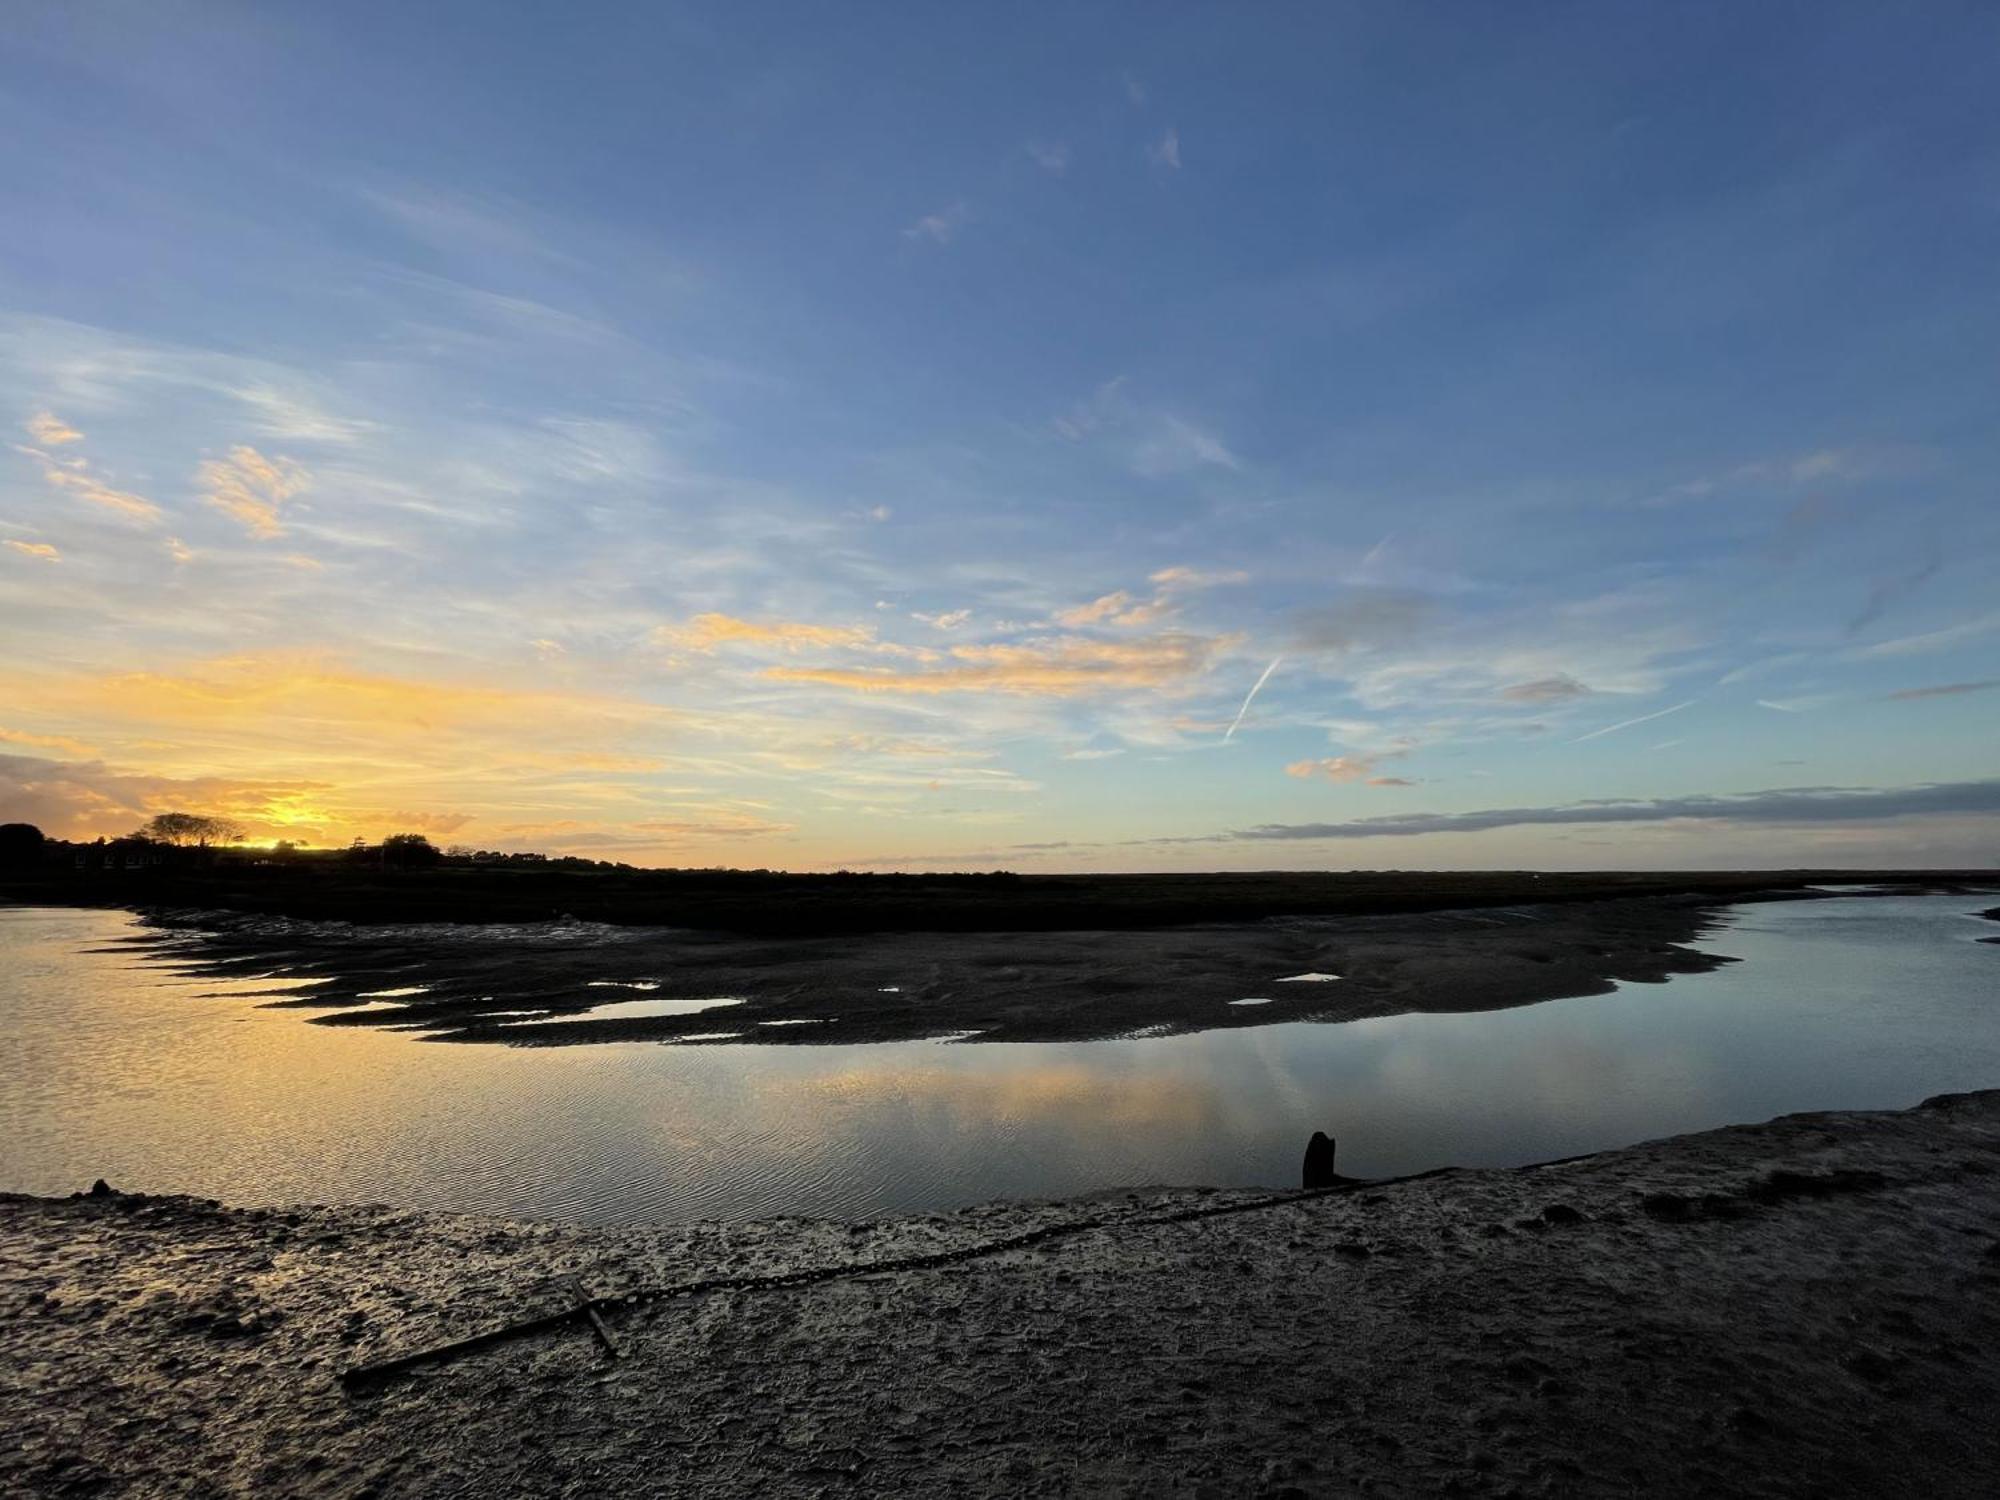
<point x="95" y="492"/>
<point x="46" y="428"/>
<point x="73" y="474"/>
<point x="45" y="741"/>
<point x="1057" y="667"/>
<point x="1118" y="608"/>
<point x="1345" y="768"/>
<point x="704" y="633"/>
<point x="313" y="695"/>
<point x="250" y="488"/>
<point x="42" y="550"/>
<point x="1123" y="608"/>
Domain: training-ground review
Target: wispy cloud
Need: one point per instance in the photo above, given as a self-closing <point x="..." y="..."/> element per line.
<point x="1180" y="578"/>
<point x="43" y="550"/>
<point x="1154" y="442"/>
<point x="1890" y="591"/>
<point x="1944" y="690"/>
<point x="1171" y="586"/>
<point x="1166" y="151"/>
<point x="72" y="475"/>
<point x="88" y="488"/>
<point x="1789" y="805"/>
<point x="1115" y="608"/>
<point x="250" y="489"/>
<point x="1934" y="640"/>
<point x="60" y="742"/>
<point x="942" y="226"/>
<point x="704" y="633"/>
<point x="1560" y="688"/>
<point x="1050" y="156"/>
<point x="1055" y="667"/>
<point x="51" y="431"/>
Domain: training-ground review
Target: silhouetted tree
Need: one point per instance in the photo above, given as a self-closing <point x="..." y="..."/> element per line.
<point x="409" y="851"/>
<point x="20" y="844"/>
<point x="197" y="829"/>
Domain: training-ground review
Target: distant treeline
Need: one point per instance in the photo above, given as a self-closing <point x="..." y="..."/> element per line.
<point x="185" y="841"/>
<point x="191" y="843"/>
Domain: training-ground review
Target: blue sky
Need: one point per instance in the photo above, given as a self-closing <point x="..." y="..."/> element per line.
<point x="897" y="436"/>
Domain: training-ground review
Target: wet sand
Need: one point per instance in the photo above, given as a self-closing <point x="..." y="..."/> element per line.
<point x="535" y="987"/>
<point x="1810" y="1306"/>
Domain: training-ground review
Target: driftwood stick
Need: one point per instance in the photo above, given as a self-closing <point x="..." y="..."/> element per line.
<point x="397" y="1364"/>
<point x="588" y="1305"/>
<point x="585" y="1306"/>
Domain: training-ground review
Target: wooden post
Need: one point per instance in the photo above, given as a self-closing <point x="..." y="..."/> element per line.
<point x="1319" y="1171"/>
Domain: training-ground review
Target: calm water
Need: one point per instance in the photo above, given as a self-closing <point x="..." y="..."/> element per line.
<point x="123" y="1067"/>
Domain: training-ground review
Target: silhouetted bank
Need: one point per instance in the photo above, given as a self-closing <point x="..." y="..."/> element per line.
<point x="1805" y="1307"/>
<point x="805" y="960"/>
<point x="330" y="886"/>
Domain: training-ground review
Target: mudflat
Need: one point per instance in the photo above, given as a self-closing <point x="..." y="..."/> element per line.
<point x="567" y="983"/>
<point x="1808" y="1306"/>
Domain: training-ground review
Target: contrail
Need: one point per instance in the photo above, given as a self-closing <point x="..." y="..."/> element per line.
<point x="1254" y="691"/>
<point x="1643" y="718"/>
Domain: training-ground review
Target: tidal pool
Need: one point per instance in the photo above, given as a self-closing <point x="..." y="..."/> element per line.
<point x="119" y="1064"/>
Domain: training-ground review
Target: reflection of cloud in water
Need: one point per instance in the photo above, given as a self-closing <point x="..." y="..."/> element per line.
<point x="1043" y="1095"/>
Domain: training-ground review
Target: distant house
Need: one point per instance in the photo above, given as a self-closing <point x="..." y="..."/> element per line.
<point x="109" y="856"/>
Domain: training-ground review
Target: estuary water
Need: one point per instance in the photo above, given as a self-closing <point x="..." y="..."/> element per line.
<point x="117" y="1063"/>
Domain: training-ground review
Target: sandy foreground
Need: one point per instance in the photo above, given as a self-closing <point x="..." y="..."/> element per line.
<point x="1810" y="1306"/>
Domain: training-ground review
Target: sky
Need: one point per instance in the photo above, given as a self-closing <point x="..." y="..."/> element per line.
<point x="1052" y="437"/>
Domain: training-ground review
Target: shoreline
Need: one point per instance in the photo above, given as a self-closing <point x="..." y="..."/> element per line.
<point x="1807" y="1305"/>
